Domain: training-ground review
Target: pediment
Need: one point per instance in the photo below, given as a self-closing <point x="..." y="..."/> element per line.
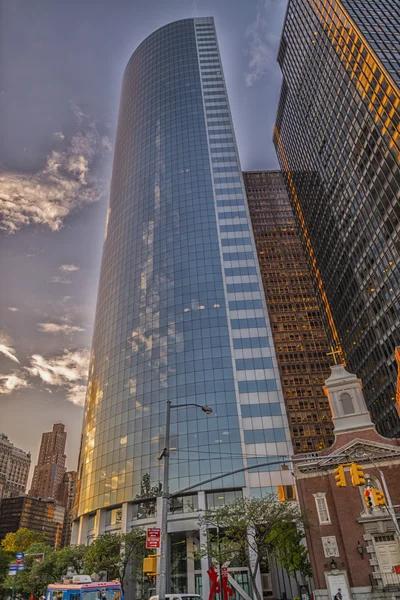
<point x="357" y="450"/>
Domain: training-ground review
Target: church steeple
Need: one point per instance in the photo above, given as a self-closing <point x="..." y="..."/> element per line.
<point x="346" y="399"/>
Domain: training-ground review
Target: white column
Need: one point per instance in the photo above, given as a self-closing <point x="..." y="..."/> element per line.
<point x="190" y="547"/>
<point x="127" y="513"/>
<point x="83" y="529"/>
<point x="203" y="542"/>
<point x="75" y="532"/>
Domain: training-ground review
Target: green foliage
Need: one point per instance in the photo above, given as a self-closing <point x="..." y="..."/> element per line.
<point x="21" y="540"/>
<point x="54" y="564"/>
<point x="119" y="554"/>
<point x="5" y="560"/>
<point x="287" y="545"/>
<point x="249" y="529"/>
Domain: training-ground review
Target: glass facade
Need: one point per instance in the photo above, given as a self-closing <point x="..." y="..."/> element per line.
<point x="337" y="137"/>
<point x="298" y="328"/>
<point x="181" y="314"/>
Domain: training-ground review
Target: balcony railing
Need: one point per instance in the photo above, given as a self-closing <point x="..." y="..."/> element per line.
<point x="383" y="581"/>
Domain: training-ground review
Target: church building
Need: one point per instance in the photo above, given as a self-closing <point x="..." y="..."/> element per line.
<point x="353" y="547"/>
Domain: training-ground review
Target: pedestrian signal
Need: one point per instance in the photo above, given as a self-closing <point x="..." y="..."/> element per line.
<point x="368" y="499"/>
<point x="357" y="474"/>
<point x="379" y="497"/>
<point x="150" y="565"/>
<point x="340" y="476"/>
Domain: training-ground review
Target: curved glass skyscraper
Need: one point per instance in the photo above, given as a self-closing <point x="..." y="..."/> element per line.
<point x="181" y="314"/>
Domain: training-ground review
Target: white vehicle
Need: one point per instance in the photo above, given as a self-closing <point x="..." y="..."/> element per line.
<point x="179" y="597"/>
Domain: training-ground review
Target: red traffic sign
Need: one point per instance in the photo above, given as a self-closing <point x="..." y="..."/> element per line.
<point x="153" y="538"/>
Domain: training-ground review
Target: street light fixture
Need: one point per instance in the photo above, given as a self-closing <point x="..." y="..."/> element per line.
<point x="165" y="494"/>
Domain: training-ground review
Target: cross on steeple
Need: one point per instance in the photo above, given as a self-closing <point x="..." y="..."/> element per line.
<point x="334" y="353"/>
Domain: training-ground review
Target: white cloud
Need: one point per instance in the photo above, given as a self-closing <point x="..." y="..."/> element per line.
<point x="59" y="135"/>
<point x="58" y="279"/>
<point x="77" y="394"/>
<point x="67" y="372"/>
<point x="11" y="382"/>
<point x="13" y="309"/>
<point x="6" y="348"/>
<point x="69" y="268"/>
<point x="262" y="42"/>
<point x="56" y="328"/>
<point x="64" y="183"/>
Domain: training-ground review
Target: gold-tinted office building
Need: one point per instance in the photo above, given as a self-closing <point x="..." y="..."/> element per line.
<point x="298" y="330"/>
<point x="337" y="137"/>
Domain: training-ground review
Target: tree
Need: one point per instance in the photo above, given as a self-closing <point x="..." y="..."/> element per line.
<point x="287" y="545"/>
<point x="119" y="554"/>
<point x="53" y="564"/>
<point x="70" y="558"/>
<point x="249" y="529"/>
<point x="5" y="560"/>
<point x="21" y="540"/>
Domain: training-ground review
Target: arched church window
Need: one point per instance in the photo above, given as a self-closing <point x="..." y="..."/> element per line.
<point x="347" y="404"/>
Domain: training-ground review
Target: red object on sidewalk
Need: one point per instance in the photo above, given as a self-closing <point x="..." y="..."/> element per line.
<point x="215" y="587"/>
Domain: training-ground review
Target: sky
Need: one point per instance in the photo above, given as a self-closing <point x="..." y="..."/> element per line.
<point x="61" y="69"/>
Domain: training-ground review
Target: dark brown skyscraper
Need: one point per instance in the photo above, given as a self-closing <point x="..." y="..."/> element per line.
<point x="49" y="472"/>
<point x="297" y="327"/>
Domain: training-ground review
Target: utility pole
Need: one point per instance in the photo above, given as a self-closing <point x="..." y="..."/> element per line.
<point x="164" y="514"/>
<point x="390" y="507"/>
<point x="165" y="496"/>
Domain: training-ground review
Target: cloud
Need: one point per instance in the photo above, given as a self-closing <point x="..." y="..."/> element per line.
<point x="13" y="309"/>
<point x="69" y="268"/>
<point x="58" y="279"/>
<point x="77" y="394"/>
<point x="6" y="348"/>
<point x="59" y="135"/>
<point x="65" y="182"/>
<point x="262" y="42"/>
<point x="56" y="328"/>
<point x="67" y="371"/>
<point x="11" y="382"/>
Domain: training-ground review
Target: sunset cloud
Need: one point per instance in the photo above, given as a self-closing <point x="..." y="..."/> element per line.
<point x="65" y="182"/>
<point x="56" y="328"/>
<point x="13" y="309"/>
<point x="67" y="372"/>
<point x="11" y="382"/>
<point x="69" y="268"/>
<point x="5" y="347"/>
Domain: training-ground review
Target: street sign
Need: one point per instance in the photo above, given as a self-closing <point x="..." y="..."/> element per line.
<point x="153" y="538"/>
<point x="12" y="572"/>
<point x="20" y="567"/>
<point x="19" y="557"/>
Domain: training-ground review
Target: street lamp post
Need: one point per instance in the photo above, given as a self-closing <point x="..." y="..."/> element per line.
<point x="165" y="496"/>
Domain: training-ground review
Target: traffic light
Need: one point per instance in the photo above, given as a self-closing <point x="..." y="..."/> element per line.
<point x="379" y="497"/>
<point x="150" y="565"/>
<point x="286" y="492"/>
<point x="340" y="476"/>
<point x="281" y="493"/>
<point x="357" y="474"/>
<point x="368" y="498"/>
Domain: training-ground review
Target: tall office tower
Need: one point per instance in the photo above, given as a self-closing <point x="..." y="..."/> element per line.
<point x="14" y="469"/>
<point x="181" y="314"/>
<point x="69" y="485"/>
<point x="337" y="140"/>
<point x="298" y="328"/>
<point x="49" y="472"/>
